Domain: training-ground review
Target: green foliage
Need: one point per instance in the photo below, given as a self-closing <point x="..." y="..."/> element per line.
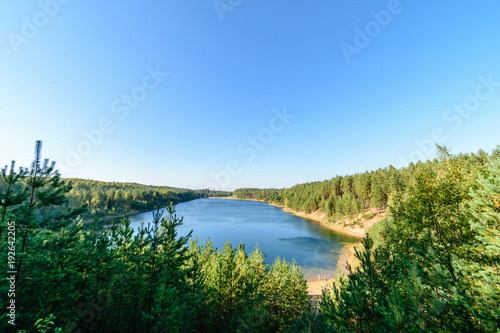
<point x="352" y="194"/>
<point x="242" y="294"/>
<point x="368" y="215"/>
<point x="45" y="325"/>
<point x="96" y="278"/>
<point x="430" y="266"/>
<point x="481" y="268"/>
<point x="114" y="198"/>
<point x="354" y="301"/>
<point x="433" y="214"/>
<point x="12" y="194"/>
<point x="433" y="266"/>
<point x="112" y="280"/>
<point x="378" y="197"/>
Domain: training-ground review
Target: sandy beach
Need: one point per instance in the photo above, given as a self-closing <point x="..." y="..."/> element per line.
<point x="345" y="225"/>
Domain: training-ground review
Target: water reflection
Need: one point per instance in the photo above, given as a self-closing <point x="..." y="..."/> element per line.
<point x="277" y="233"/>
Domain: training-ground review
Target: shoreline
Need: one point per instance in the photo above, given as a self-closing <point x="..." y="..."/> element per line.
<point x="315" y="287"/>
<point x="106" y="218"/>
<point x="89" y="220"/>
<point x="321" y="219"/>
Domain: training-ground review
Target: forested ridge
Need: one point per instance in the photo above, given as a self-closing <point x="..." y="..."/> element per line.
<point x="432" y="265"/>
<point x="352" y="194"/>
<point x="73" y="278"/>
<point x="115" y="198"/>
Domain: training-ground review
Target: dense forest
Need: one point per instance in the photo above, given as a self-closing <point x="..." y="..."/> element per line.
<point x="432" y="265"/>
<point x="72" y="278"/>
<point x="112" y="198"/>
<point x="351" y="194"/>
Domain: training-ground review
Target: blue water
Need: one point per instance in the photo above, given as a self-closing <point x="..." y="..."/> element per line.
<point x="277" y="233"/>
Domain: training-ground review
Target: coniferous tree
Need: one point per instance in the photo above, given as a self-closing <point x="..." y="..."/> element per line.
<point x="90" y="278"/>
<point x="41" y="209"/>
<point x="482" y="268"/>
<point x="168" y="279"/>
<point x="11" y="193"/>
<point x="378" y="199"/>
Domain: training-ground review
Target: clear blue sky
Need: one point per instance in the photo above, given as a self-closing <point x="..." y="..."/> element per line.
<point x="356" y="85"/>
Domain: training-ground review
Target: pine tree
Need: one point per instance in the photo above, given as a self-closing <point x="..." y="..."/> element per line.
<point x="169" y="291"/>
<point x="354" y="304"/>
<point x="482" y="269"/>
<point x="287" y="290"/>
<point x="378" y="198"/>
<point x="46" y="189"/>
<point x="432" y="214"/>
<point x="199" y="302"/>
<point x="11" y="193"/>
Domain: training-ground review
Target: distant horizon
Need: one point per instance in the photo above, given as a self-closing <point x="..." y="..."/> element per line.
<point x="264" y="188"/>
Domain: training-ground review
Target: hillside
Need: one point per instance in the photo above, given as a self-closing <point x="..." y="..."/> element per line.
<point x="115" y="199"/>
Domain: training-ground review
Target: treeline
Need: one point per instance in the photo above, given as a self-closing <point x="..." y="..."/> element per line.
<point x="72" y="278"/>
<point x="351" y="194"/>
<point x="109" y="197"/>
<point x="433" y="264"/>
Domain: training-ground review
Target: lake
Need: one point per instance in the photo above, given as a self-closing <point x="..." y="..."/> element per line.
<point x="277" y="233"/>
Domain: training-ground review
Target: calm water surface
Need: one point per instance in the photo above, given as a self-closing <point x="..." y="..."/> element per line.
<point x="277" y="233"/>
